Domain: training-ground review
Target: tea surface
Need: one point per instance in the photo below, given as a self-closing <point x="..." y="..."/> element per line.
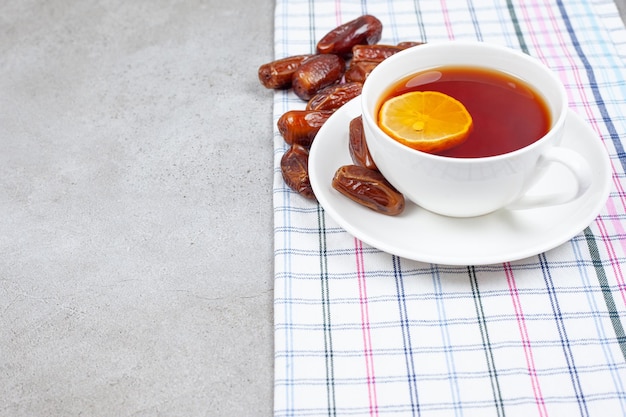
<point x="507" y="114"/>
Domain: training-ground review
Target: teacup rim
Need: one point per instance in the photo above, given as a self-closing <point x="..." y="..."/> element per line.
<point x="556" y="126"/>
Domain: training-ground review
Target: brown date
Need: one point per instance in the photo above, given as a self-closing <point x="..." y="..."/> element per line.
<point x="359" y="71"/>
<point x="295" y="170"/>
<point x="373" y="53"/>
<point x="277" y="74"/>
<point x="409" y="44"/>
<point x="334" y="96"/>
<point x="366" y="57"/>
<point x="368" y="188"/>
<point x="365" y="29"/>
<point x="315" y="73"/>
<point x="300" y="126"/>
<point x="357" y="145"/>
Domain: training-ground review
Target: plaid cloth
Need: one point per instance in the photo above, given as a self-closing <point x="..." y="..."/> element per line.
<point x="361" y="332"/>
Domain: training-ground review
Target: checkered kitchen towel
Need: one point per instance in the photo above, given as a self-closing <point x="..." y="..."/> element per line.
<point x="361" y="332"/>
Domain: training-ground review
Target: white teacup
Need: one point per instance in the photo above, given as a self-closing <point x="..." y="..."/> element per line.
<point x="466" y="187"/>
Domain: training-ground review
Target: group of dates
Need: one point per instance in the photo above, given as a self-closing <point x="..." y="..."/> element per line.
<point x="327" y="80"/>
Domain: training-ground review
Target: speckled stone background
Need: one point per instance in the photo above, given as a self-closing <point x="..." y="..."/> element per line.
<point x="135" y="208"/>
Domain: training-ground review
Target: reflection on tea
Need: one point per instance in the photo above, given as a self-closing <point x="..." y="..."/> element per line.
<point x="507" y="114"/>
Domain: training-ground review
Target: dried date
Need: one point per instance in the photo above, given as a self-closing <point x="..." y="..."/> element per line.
<point x="315" y="73"/>
<point x="368" y="188"/>
<point x="359" y="71"/>
<point x="294" y="166"/>
<point x="300" y="126"/>
<point x="278" y="74"/>
<point x="357" y="145"/>
<point x="366" y="57"/>
<point x="373" y="53"/>
<point x="365" y="29"/>
<point x="409" y="44"/>
<point x="333" y="97"/>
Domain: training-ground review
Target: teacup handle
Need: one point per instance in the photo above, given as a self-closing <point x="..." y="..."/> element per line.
<point x="578" y="167"/>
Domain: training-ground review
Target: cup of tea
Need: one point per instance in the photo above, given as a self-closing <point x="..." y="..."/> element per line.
<point x="518" y="109"/>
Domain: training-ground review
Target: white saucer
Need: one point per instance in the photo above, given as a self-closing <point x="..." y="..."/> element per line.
<point x="502" y="236"/>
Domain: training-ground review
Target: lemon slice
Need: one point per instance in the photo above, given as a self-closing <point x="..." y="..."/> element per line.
<point x="428" y="121"/>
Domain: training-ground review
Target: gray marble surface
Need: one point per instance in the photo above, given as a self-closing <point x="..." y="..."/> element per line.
<point x="135" y="203"/>
<point x="621" y="6"/>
